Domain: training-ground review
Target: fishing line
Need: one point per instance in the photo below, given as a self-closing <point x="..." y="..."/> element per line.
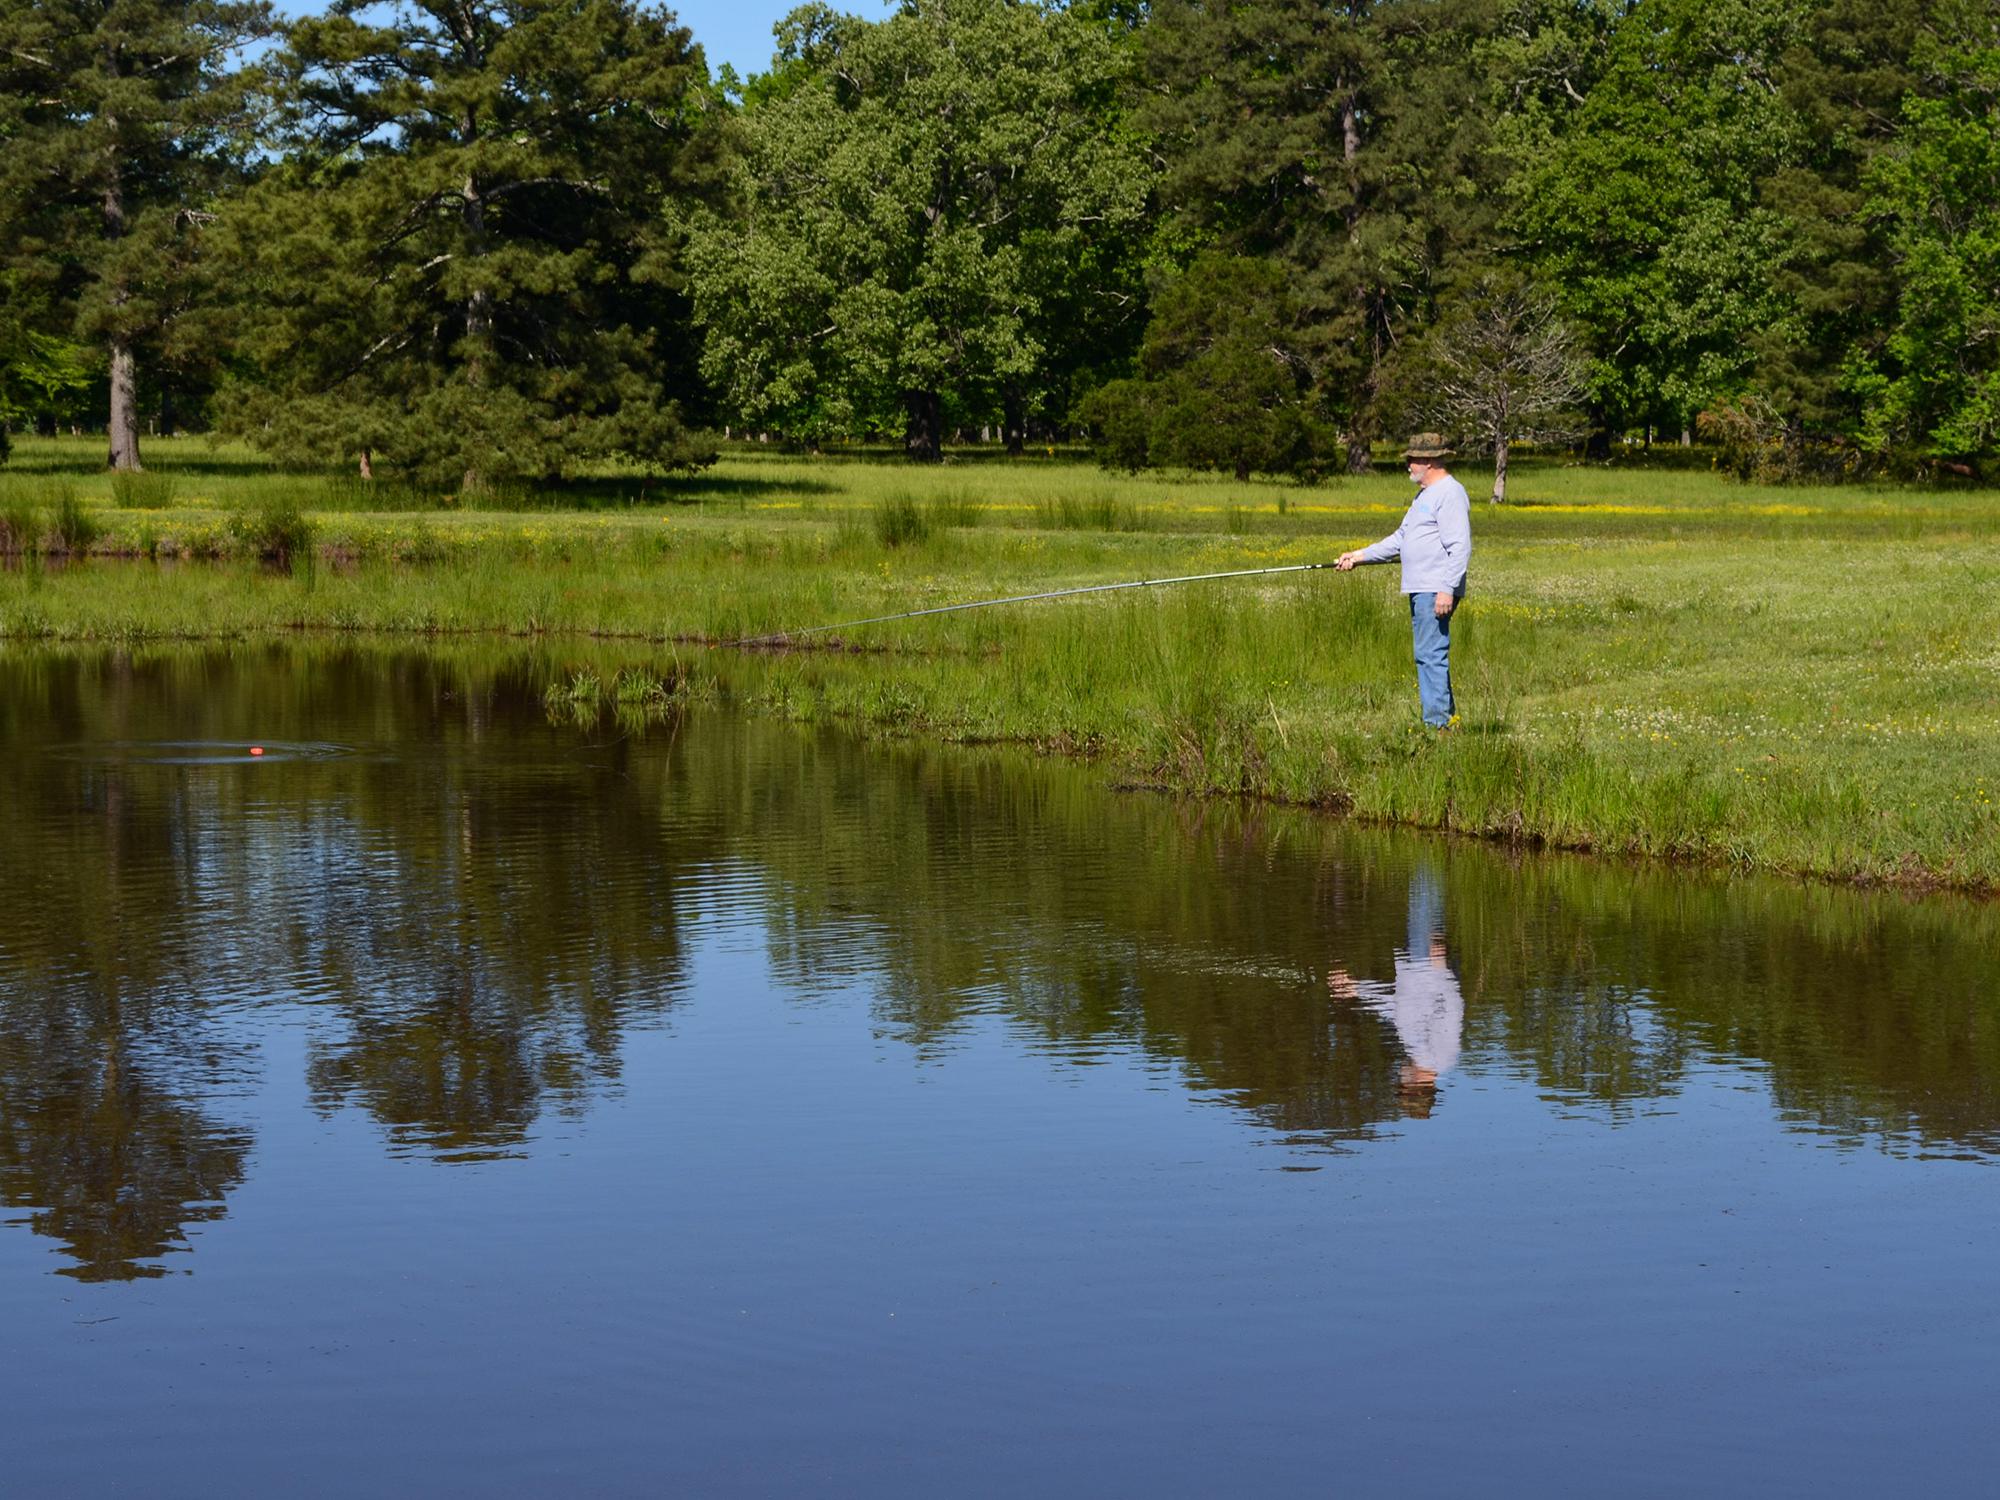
<point x="1090" y="588"/>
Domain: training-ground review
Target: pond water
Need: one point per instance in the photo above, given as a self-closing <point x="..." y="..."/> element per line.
<point x="448" y="1099"/>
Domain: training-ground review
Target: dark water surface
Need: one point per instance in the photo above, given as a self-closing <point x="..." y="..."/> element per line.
<point x="450" y="1101"/>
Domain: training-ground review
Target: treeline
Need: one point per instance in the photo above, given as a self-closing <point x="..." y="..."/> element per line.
<point x="465" y="242"/>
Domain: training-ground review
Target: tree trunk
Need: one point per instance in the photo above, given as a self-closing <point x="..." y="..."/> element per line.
<point x="1598" y="443"/>
<point x="1014" y="420"/>
<point x="1360" y="458"/>
<point x="124" y="423"/>
<point x="1499" y="471"/>
<point x="1242" y="469"/>
<point x="478" y="306"/>
<point x="922" y="432"/>
<point x="124" y="406"/>
<point x="367" y="468"/>
<point x="1360" y="439"/>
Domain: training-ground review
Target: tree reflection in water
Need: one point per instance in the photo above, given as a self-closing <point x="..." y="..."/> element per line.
<point x="474" y="907"/>
<point x="109" y="1165"/>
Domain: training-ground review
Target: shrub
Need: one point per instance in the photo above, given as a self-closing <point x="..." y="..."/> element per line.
<point x="1754" y="442"/>
<point x="1223" y="381"/>
<point x="274" y="529"/>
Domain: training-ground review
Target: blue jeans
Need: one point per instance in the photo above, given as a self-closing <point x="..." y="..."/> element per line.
<point x="1432" y="638"/>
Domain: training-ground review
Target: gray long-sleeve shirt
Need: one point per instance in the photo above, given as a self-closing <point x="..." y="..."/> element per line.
<point x="1434" y="541"/>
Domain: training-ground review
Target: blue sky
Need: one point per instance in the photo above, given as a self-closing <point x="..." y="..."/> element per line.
<point x="730" y="31"/>
<point x="739" y="31"/>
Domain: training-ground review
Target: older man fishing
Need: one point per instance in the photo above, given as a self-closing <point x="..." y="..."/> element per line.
<point x="1435" y="544"/>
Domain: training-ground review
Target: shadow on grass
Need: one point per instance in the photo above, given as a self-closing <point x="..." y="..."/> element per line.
<point x="698" y="489"/>
<point x="627" y="492"/>
<point x="346" y="493"/>
<point x="75" y="458"/>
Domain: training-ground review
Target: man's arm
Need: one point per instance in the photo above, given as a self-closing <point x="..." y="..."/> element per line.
<point x="1455" y="536"/>
<point x="1387" y="550"/>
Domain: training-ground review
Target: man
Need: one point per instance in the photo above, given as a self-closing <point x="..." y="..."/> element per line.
<point x="1435" y="544"/>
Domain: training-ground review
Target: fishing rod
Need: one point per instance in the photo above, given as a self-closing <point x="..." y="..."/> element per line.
<point x="1089" y="588"/>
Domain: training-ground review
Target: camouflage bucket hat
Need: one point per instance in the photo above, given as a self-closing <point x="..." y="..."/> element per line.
<point x="1427" y="445"/>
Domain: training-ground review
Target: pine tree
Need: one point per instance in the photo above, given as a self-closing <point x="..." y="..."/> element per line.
<point x="1845" y="77"/>
<point x="460" y="272"/>
<point x="120" y="121"/>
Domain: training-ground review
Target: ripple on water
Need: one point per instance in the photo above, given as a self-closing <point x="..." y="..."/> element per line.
<point x="198" y="752"/>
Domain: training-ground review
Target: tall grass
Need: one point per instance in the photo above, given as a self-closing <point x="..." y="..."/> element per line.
<point x="954" y="509"/>
<point x="901" y="522"/>
<point x="635" y="697"/>
<point x="143" y="489"/>
<point x="275" y="529"/>
<point x="20" y="525"/>
<point x="75" y="528"/>
<point x="1098" y="512"/>
<point x="903" y="518"/>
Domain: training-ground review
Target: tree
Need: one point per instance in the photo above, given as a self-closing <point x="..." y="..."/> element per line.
<point x="1347" y="143"/>
<point x="460" y="272"/>
<point x="918" y="200"/>
<point x="120" y="120"/>
<point x="1503" y="366"/>
<point x="1935" y="192"/>
<point x="1844" y="79"/>
<point x="40" y="372"/>
<point x="37" y="370"/>
<point x="1222" y="384"/>
<point x="106" y="1160"/>
<point x="1646" y="213"/>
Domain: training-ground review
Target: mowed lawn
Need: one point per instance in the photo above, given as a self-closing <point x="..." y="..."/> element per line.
<point x="1654" y="659"/>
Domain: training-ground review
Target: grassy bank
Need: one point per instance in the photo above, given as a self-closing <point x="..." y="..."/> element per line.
<point x="1653" y="661"/>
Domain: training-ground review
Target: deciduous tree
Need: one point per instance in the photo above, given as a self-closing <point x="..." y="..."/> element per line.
<point x="923" y="205"/>
<point x="1646" y="214"/>
<point x="1503" y="367"/>
<point x="1935" y="192"/>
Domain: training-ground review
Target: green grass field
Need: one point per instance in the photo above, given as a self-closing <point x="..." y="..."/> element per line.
<point x="1653" y="660"/>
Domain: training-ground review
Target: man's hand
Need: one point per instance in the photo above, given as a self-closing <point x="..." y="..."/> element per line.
<point x="1443" y="604"/>
<point x="1347" y="561"/>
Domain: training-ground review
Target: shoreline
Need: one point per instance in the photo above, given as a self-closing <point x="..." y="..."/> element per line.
<point x="1911" y="879"/>
<point x="1652" y="664"/>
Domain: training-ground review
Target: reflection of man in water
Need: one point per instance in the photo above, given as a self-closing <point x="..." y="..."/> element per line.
<point x="1423" y="1004"/>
